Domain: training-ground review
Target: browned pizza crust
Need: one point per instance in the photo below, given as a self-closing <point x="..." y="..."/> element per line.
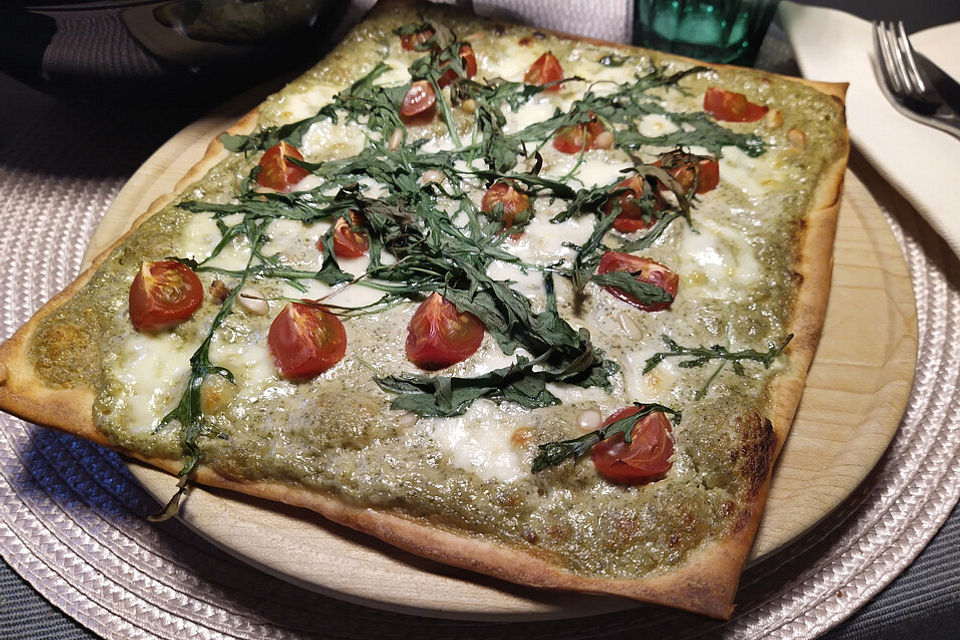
<point x="705" y="584"/>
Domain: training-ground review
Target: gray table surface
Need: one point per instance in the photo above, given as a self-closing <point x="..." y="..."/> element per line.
<point x="923" y="602"/>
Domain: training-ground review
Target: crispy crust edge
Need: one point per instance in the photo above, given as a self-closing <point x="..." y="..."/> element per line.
<point x="705" y="584"/>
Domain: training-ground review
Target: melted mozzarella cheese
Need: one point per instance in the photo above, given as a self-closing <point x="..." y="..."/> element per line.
<point x="325" y="140"/>
<point x="755" y="176"/>
<point x="154" y="373"/>
<point x="654" y="125"/>
<point x="529" y="283"/>
<point x="718" y="261"/>
<point x="292" y="107"/>
<point x="544" y="242"/>
<point x="537" y="110"/>
<point x="654" y="386"/>
<point x="480" y="441"/>
<point x="510" y="62"/>
<point x="247" y="358"/>
<point x="397" y="74"/>
<point x="201" y="234"/>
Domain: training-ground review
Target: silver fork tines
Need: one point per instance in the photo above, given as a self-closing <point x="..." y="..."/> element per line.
<point x="904" y="84"/>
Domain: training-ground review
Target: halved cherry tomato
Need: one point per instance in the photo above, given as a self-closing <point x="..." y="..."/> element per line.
<point x="645" y="459"/>
<point x="306" y="340"/>
<point x="163" y="294"/>
<point x="631" y="217"/>
<point x="419" y="101"/>
<point x="439" y="335"/>
<point x="688" y="169"/>
<point x="411" y="41"/>
<point x="276" y="171"/>
<point x="469" y="60"/>
<point x="647" y="271"/>
<point x="348" y="243"/>
<point x="580" y="136"/>
<point x="731" y="106"/>
<point x="514" y="203"/>
<point x="544" y="70"/>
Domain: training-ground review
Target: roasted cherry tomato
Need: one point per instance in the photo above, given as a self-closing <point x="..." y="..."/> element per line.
<point x="688" y="170"/>
<point x="647" y="271"/>
<point x="631" y="217"/>
<point x="306" y="340"/>
<point x="439" y="335"/>
<point x="582" y="137"/>
<point x="731" y="106"/>
<point x="163" y="294"/>
<point x="348" y="243"/>
<point x="419" y="101"/>
<point x="411" y="41"/>
<point x="544" y="70"/>
<point x="469" y="61"/>
<point x="645" y="459"/>
<point x="516" y="205"/>
<point x="276" y="171"/>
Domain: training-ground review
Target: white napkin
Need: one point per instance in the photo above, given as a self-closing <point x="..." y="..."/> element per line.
<point x="921" y="162"/>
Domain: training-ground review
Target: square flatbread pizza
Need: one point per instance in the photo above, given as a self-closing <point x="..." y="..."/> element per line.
<point x="519" y="302"/>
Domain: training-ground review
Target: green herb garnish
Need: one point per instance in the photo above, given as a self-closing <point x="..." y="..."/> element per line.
<point x="699" y="356"/>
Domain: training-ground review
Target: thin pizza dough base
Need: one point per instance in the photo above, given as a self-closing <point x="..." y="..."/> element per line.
<point x="705" y="584"/>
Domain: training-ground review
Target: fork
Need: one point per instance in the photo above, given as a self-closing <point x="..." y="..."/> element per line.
<point x="904" y="84"/>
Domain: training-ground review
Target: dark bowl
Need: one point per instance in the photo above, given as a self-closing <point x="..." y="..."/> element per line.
<point x="170" y="52"/>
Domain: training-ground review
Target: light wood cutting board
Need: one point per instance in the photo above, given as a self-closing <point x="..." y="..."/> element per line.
<point x="856" y="393"/>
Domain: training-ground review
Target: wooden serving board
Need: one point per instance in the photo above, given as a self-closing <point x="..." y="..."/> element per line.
<point x="856" y="392"/>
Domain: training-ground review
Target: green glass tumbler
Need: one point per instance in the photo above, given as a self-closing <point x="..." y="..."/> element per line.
<point x="726" y="31"/>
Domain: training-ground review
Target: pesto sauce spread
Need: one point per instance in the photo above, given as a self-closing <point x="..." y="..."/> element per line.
<point x="337" y="434"/>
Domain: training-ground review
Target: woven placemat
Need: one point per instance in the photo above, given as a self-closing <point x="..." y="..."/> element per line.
<point x="72" y="518"/>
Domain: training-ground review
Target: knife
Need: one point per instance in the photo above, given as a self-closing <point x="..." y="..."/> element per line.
<point x="947" y="87"/>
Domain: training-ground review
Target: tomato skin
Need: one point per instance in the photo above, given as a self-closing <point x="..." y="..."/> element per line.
<point x="276" y="172"/>
<point x="439" y="335"/>
<point x="419" y="102"/>
<point x="631" y="217"/>
<point x="514" y="203"/>
<point x="163" y="294"/>
<point x="650" y="271"/>
<point x="645" y="459"/>
<point x="348" y="243"/>
<point x="411" y="41"/>
<point x="685" y="169"/>
<point x="306" y="340"/>
<point x="731" y="106"/>
<point x="469" y="59"/>
<point x="577" y="137"/>
<point x="544" y="70"/>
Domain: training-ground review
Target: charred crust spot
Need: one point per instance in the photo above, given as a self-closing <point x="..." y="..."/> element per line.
<point x="526" y="42"/>
<point x="754" y="460"/>
<point x="559" y="532"/>
<point x="499" y="29"/>
<point x="64" y="337"/>
<point x="757" y="453"/>
<point x="531" y="537"/>
<point x="620" y="532"/>
<point x="509" y="497"/>
<point x="727" y="509"/>
<point x="674" y="539"/>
